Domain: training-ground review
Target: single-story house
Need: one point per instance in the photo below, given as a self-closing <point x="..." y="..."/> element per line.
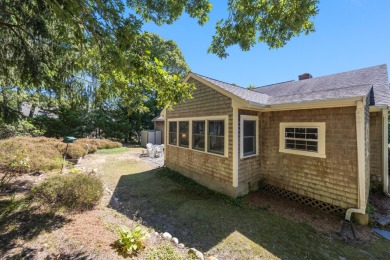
<point x="319" y="140"/>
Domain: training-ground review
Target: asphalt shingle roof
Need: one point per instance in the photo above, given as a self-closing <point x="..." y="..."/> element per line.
<point x="341" y="85"/>
<point x="243" y="93"/>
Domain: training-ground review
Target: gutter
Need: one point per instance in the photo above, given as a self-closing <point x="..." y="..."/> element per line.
<point x="361" y="151"/>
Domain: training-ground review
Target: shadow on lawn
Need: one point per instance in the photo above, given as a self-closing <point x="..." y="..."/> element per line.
<point x="20" y="221"/>
<point x="200" y="218"/>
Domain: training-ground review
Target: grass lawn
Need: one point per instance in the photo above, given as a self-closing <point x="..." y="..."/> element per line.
<point x="167" y="202"/>
<point x="223" y="227"/>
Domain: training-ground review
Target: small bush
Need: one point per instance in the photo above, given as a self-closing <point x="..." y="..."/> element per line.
<point x="165" y="251"/>
<point x="131" y="241"/>
<point x="20" y="128"/>
<point x="74" y="192"/>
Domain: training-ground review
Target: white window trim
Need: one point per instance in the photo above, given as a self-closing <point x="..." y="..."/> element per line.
<point x="248" y="118"/>
<point x="206" y="119"/>
<point x="321" y="138"/>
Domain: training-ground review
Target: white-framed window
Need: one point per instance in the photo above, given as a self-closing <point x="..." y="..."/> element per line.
<point x="184" y="133"/>
<point x="249" y="132"/>
<point x="199" y="135"/>
<point x="173" y="133"/>
<point x="202" y="134"/>
<point x="306" y="138"/>
<point x="216" y="136"/>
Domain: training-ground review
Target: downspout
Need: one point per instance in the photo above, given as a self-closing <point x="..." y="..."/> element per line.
<point x="361" y="150"/>
<point x="385" y="114"/>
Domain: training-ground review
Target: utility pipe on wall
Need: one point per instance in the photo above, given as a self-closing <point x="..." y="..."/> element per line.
<point x="361" y="153"/>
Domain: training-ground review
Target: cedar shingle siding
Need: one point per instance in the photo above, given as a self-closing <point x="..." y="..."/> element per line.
<point x="333" y="179"/>
<point x="376" y="157"/>
<point x="210" y="170"/>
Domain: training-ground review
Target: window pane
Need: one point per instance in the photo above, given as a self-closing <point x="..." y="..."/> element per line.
<point x="249" y="145"/>
<point x="216" y="127"/>
<point x="290" y="144"/>
<point x="249" y="128"/>
<point x="216" y="144"/>
<point x="183" y="133"/>
<point x="172" y="133"/>
<point x="216" y="139"/>
<point x="198" y="135"/>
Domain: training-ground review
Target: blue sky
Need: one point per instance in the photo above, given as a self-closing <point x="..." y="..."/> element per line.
<point x="350" y="34"/>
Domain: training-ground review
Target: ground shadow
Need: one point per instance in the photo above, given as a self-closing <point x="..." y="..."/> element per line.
<point x="169" y="202"/>
<point x="24" y="222"/>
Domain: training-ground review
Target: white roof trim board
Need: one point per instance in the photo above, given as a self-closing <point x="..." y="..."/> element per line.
<point x="357" y="83"/>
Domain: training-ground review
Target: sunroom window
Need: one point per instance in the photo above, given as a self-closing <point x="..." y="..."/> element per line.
<point x="173" y="133"/>
<point x="198" y="135"/>
<point x="216" y="136"/>
<point x="184" y="133"/>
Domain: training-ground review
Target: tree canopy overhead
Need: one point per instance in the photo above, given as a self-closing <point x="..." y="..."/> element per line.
<point x="54" y="45"/>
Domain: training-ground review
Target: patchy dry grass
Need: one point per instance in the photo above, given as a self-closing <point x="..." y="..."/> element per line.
<point x="165" y="201"/>
<point x="46" y="154"/>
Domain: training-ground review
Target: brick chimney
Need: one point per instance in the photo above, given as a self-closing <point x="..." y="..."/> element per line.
<point x="305" y="76"/>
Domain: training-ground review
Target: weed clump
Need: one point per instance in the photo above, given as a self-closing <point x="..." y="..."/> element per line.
<point x="73" y="192"/>
<point x="130" y="241"/>
<point x="165" y="251"/>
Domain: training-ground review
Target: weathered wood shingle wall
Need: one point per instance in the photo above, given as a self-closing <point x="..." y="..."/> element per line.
<point x="333" y="179"/>
<point x="210" y="170"/>
<point x="376" y="154"/>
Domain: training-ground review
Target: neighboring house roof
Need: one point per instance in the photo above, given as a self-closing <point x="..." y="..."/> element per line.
<point x="356" y="83"/>
<point x="26" y="108"/>
<point x="158" y="118"/>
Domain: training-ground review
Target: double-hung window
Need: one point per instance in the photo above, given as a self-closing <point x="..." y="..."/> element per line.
<point x="198" y="135"/>
<point x="173" y="133"/>
<point x="216" y="136"/>
<point x="303" y="138"/>
<point x="248" y="135"/>
<point x="184" y="133"/>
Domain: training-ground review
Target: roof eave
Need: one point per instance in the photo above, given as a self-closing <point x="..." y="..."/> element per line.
<point x="328" y="103"/>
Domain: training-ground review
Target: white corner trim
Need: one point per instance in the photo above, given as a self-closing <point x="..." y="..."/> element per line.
<point x="321" y="138"/>
<point x="248" y="118"/>
<point x="385" y="116"/>
<point x="235" y="146"/>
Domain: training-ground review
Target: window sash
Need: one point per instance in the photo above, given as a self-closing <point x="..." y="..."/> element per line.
<point x="216" y="136"/>
<point x="301" y="139"/>
<point x="184" y="133"/>
<point x="249" y="148"/>
<point x="198" y="135"/>
<point x="173" y="133"/>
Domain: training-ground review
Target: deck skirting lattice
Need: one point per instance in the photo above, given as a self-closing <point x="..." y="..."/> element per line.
<point x="323" y="206"/>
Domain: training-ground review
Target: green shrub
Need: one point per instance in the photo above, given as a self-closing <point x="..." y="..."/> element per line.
<point x="131" y="241"/>
<point x="165" y="251"/>
<point x="20" y="128"/>
<point x="74" y="192"/>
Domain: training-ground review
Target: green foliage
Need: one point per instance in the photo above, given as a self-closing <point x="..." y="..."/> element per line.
<point x="113" y="151"/>
<point x="199" y="189"/>
<point x="18" y="163"/>
<point x="165" y="251"/>
<point x="73" y="192"/>
<point x="131" y="241"/>
<point x="19" y="128"/>
<point x="271" y="22"/>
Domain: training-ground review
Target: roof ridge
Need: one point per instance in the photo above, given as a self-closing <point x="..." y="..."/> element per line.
<point x="329" y="75"/>
<point x="352" y="86"/>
